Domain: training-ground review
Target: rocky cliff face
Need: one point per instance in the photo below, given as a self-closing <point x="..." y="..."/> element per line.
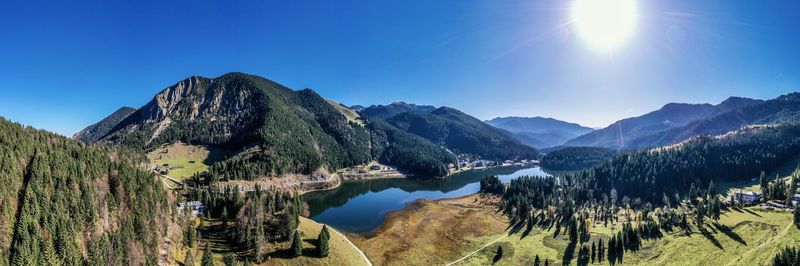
<point x="270" y="129"/>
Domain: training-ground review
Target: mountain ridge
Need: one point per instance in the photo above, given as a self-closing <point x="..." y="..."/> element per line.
<point x="669" y="116"/>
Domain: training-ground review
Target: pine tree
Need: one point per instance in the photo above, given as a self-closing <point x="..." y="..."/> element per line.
<point x="594" y="252"/>
<point x="297" y="244"/>
<point x="208" y="259"/>
<point x="536" y="261"/>
<point x="499" y="254"/>
<point x="229" y="260"/>
<point x="189" y="258"/>
<point x="546" y="262"/>
<point x="764" y="183"/>
<point x="573" y="232"/>
<point x="322" y="242"/>
<point x="600" y="250"/>
<point x="797" y="217"/>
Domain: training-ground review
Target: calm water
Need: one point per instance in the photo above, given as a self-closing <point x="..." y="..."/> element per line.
<point x="360" y="206"/>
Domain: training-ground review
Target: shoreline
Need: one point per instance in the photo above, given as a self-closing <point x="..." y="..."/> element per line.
<point x="450" y="225"/>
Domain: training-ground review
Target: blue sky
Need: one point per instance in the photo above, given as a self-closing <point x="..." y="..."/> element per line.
<point x="67" y="64"/>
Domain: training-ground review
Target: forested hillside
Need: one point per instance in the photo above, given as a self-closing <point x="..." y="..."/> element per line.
<point x="575" y="158"/>
<point x="462" y="133"/>
<point x="271" y="130"/>
<point x="739" y="155"/>
<point x="67" y="203"/>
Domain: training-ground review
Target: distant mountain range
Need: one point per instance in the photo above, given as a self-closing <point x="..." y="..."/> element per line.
<point x="539" y="132"/>
<point x="639" y="132"/>
<point x="462" y="133"/>
<point x="98" y="130"/>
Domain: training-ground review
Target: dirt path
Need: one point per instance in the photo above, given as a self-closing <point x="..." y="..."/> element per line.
<point x="476" y="251"/>
<point x="773" y="239"/>
<point x="366" y="260"/>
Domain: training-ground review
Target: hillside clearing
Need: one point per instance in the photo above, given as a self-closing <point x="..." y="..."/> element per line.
<point x="181" y="160"/>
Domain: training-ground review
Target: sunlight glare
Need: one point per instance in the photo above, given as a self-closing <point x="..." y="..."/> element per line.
<point x="604" y="24"/>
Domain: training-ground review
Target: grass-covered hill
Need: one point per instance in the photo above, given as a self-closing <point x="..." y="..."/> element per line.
<point x="462" y="133"/>
<point x="269" y="129"/>
<point x="66" y="203"/>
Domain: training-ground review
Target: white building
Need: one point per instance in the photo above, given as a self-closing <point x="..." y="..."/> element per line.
<point x="748" y="197"/>
<point x="197" y="207"/>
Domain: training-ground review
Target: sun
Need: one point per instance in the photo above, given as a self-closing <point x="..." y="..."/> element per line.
<point x="605" y="24"/>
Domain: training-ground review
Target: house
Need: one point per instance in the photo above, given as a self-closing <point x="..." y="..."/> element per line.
<point x="197" y="207"/>
<point x="748" y="197"/>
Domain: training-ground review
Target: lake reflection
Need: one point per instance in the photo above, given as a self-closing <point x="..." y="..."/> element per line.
<point x="360" y="206"/>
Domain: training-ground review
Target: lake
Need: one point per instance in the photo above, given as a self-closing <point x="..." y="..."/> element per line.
<point x="360" y="206"/>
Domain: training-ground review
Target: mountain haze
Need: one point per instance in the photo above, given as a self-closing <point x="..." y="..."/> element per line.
<point x="539" y="132"/>
<point x="673" y="115"/>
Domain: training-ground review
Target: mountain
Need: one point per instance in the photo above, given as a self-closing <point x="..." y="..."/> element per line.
<point x="670" y="116"/>
<point x="100" y="129"/>
<point x="785" y="108"/>
<point x="539" y="132"/>
<point x="462" y="133"/>
<point x="271" y="130"/>
<point x="391" y="110"/>
<point x="68" y="203"/>
<point x="357" y="108"/>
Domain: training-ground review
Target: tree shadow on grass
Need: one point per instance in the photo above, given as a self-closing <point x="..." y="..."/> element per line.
<point x="569" y="253"/>
<point x="730" y="233"/>
<point x="710" y="237"/>
<point x="751" y="212"/>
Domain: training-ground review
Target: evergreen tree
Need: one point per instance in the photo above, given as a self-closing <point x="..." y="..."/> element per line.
<point x="789" y="256"/>
<point x="188" y="260"/>
<point x="208" y="259"/>
<point x="229" y="260"/>
<point x="594" y="252"/>
<point x="498" y="255"/>
<point x="297" y="244"/>
<point x="536" y="261"/>
<point x="797" y="217"/>
<point x="573" y="231"/>
<point x="764" y="183"/>
<point x="322" y="240"/>
<point x="546" y="262"/>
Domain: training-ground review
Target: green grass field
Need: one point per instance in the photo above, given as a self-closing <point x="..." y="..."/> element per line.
<point x="350" y="114"/>
<point x="186" y="159"/>
<point x="341" y="252"/>
<point x="753" y="237"/>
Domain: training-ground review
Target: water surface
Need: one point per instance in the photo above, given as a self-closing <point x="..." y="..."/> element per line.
<point x="360" y="206"/>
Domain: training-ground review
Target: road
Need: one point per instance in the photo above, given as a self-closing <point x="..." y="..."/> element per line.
<point x="476" y="251"/>
<point x="354" y="246"/>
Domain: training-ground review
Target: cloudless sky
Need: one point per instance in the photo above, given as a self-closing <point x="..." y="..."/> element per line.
<point x="67" y="64"/>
